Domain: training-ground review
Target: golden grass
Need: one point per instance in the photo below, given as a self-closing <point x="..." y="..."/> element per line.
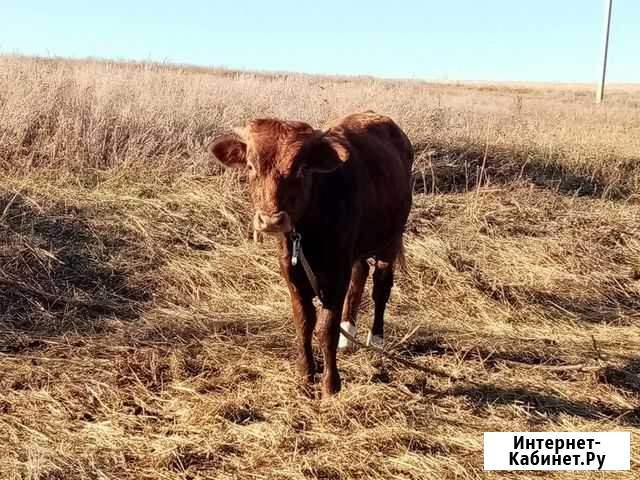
<point x="144" y="335"/>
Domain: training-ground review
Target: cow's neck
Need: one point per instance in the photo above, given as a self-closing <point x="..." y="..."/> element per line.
<point x="327" y="219"/>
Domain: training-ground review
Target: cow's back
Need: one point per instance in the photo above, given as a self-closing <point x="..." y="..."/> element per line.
<point x="381" y="161"/>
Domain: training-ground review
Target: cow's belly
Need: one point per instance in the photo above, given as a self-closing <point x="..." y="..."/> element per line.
<point x="381" y="224"/>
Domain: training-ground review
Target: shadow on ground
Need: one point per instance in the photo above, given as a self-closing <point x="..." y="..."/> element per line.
<point x="546" y="404"/>
<point x="547" y="352"/>
<point x="618" y="307"/>
<point x="55" y="274"/>
<point x="537" y="352"/>
<point x="619" y="303"/>
<point x="626" y="378"/>
<point x="446" y="168"/>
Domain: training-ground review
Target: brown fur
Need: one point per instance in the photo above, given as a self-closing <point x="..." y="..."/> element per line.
<point x="347" y="191"/>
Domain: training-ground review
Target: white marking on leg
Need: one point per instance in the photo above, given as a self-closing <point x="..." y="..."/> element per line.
<point x="375" y="341"/>
<point x="344" y="343"/>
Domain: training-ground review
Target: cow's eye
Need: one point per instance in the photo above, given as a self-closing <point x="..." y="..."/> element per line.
<point x="250" y="167"/>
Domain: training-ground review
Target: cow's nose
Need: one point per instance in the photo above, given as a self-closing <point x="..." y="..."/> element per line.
<point x="278" y="222"/>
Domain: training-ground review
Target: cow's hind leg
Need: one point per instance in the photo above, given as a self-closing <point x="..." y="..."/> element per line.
<point x="359" y="274"/>
<point x="382" y="283"/>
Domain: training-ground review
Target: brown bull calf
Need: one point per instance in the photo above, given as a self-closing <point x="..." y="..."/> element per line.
<point x="345" y="193"/>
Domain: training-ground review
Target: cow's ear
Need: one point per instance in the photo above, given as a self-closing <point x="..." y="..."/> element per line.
<point x="326" y="153"/>
<point x="230" y="150"/>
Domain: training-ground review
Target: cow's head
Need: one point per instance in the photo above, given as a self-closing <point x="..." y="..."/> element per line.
<point x="281" y="159"/>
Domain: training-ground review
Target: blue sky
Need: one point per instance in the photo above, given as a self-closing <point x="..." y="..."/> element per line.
<point x="528" y="40"/>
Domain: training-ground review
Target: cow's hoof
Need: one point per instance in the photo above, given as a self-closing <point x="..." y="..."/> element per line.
<point x="330" y="385"/>
<point x="375" y="341"/>
<point x="344" y="343"/>
<point x="306" y="369"/>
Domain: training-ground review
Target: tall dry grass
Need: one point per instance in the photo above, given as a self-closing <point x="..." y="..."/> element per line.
<point x="97" y="118"/>
<point x="143" y="335"/>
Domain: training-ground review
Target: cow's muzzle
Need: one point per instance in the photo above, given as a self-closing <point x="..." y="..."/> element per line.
<point x="277" y="223"/>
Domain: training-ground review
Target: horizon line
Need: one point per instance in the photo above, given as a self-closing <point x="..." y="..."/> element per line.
<point x="213" y="69"/>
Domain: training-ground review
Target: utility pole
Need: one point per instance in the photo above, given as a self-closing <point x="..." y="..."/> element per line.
<point x="605" y="49"/>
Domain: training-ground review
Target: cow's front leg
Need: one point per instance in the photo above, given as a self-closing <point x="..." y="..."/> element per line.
<point x="304" y="317"/>
<point x="304" y="313"/>
<point x="329" y="333"/>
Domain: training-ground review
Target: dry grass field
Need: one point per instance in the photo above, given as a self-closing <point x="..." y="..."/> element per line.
<point x="144" y="335"/>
